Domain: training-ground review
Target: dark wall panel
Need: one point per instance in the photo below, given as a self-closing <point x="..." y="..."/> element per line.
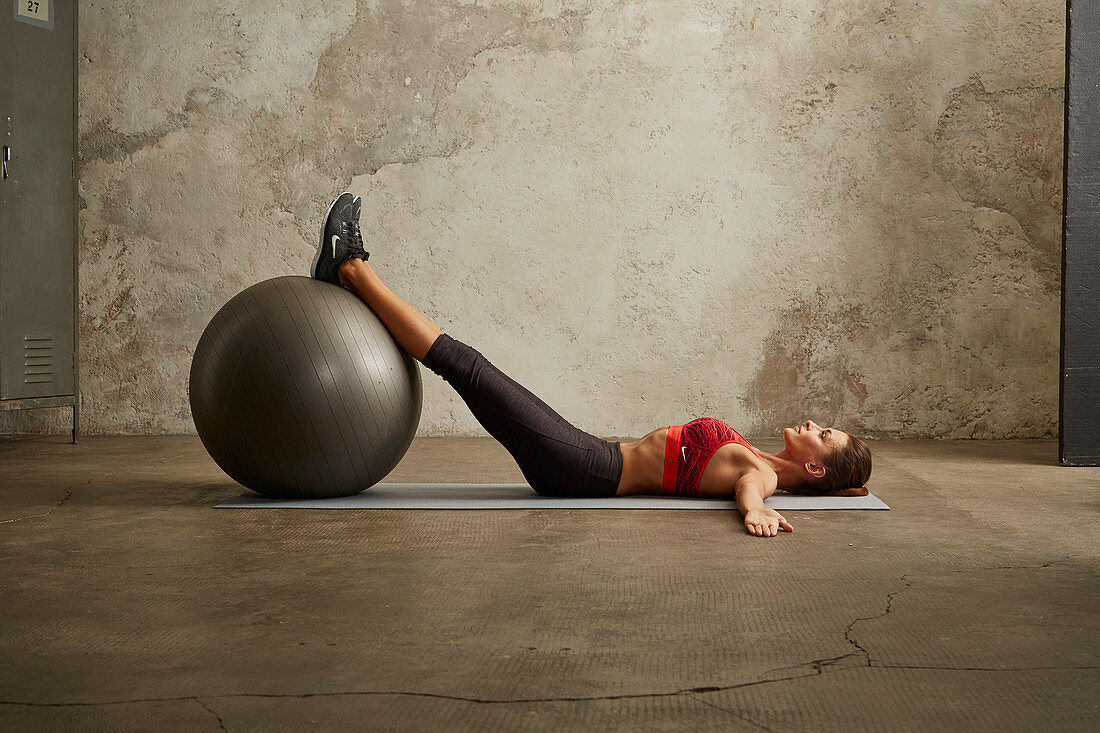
<point x="1080" y="406"/>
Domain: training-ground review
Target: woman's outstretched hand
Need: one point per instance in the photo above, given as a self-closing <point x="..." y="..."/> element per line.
<point x="766" y="522"/>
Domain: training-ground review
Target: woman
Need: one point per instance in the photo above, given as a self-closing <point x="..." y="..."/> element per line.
<point x="704" y="458"/>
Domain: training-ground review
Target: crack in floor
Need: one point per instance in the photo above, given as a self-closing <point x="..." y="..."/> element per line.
<point x="68" y="495"/>
<point x="889" y="603"/>
<point x="833" y="664"/>
<point x="69" y="491"/>
<point x="207" y="708"/>
<point x="508" y="701"/>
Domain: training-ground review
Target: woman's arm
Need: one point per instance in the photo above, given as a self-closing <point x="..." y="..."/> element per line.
<point x="750" y="493"/>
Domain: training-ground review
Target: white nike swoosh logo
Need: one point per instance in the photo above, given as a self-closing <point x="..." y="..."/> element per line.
<point x="335" y="239"/>
<point x="684" y="452"/>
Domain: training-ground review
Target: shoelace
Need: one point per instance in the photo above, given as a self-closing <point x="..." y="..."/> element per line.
<point x="355" y="238"/>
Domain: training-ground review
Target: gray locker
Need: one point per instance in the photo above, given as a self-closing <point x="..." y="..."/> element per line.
<point x="38" y="250"/>
<point x="1079" y="437"/>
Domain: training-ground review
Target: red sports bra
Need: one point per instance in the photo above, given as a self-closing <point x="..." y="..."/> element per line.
<point x="689" y="449"/>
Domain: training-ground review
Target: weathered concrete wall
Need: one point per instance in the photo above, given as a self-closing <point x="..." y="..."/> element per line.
<point x="645" y="211"/>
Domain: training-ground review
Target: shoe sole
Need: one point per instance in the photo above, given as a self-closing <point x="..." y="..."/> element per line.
<point x="321" y="245"/>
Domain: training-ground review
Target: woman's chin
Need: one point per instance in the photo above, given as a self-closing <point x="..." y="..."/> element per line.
<point x="788" y="433"/>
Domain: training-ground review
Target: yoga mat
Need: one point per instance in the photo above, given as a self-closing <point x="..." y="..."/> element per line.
<point x="521" y="496"/>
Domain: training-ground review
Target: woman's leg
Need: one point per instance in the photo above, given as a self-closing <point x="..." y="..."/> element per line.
<point x="554" y="456"/>
<point x="410" y="327"/>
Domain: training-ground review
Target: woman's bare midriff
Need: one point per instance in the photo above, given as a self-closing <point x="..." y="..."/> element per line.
<point x="643" y="464"/>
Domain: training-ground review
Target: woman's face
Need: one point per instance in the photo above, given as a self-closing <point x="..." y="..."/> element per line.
<point x="811" y="442"/>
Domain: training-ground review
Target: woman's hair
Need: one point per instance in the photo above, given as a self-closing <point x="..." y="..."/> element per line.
<point x="846" y="471"/>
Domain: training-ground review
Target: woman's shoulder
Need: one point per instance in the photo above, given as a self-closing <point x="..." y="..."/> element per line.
<point x="733" y="463"/>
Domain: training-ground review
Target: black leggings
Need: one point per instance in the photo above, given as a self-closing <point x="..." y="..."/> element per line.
<point x="556" y="458"/>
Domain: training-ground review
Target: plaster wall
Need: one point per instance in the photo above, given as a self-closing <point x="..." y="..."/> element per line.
<point x="644" y="211"/>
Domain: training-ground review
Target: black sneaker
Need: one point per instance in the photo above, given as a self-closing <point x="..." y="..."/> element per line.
<point x="340" y="240"/>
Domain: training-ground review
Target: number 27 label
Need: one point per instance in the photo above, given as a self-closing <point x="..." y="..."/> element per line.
<point x="36" y="9"/>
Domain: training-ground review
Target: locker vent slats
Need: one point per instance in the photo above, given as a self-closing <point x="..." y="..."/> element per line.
<point x="37" y="359"/>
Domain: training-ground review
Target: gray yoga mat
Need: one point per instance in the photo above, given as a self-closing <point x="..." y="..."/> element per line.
<point x="521" y="496"/>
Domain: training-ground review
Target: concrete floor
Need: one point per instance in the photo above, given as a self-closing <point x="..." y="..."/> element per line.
<point x="129" y="603"/>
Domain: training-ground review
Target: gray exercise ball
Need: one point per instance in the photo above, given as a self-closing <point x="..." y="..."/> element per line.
<point x="298" y="391"/>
